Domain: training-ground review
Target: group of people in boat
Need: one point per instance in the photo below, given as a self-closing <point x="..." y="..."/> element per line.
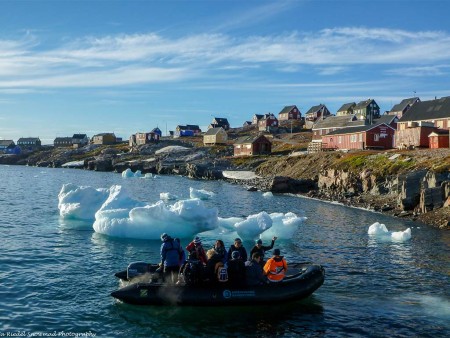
<point x="218" y="265"/>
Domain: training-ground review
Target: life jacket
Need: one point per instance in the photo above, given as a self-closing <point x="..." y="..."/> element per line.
<point x="275" y="268"/>
<point x="222" y="272"/>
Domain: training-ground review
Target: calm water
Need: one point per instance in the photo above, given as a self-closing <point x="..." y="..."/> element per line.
<point x="56" y="276"/>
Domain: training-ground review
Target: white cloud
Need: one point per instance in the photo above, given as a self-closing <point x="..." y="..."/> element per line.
<point x="148" y="58"/>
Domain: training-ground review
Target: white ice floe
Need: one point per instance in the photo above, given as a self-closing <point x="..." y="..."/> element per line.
<point x="120" y="216"/>
<point x="128" y="173"/>
<point x="200" y="194"/>
<point x="239" y="175"/>
<point x="73" y="164"/>
<point x="167" y="196"/>
<point x="117" y="214"/>
<point x="80" y="202"/>
<point x="380" y="231"/>
<point x="150" y="175"/>
<point x="268" y="194"/>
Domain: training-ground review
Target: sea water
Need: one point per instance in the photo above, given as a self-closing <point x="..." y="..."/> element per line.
<point x="56" y="274"/>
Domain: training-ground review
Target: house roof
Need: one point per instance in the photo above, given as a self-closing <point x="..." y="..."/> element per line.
<point x="347" y="106"/>
<point x="314" y="109"/>
<point x="352" y="130"/>
<point x="428" y="110"/>
<point x="105" y="134"/>
<point x="287" y="109"/>
<point x="221" y="120"/>
<point x="60" y="139"/>
<point x="188" y="127"/>
<point x="79" y="136"/>
<point x="363" y="104"/>
<point x="258" y="116"/>
<point x="28" y="139"/>
<point x="437" y="132"/>
<point x="334" y="122"/>
<point x="6" y="142"/>
<point x="214" y="131"/>
<point x="248" y="139"/>
<point x="385" y="119"/>
<point x="402" y="105"/>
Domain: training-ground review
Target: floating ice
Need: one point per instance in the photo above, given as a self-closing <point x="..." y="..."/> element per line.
<point x="200" y="194"/>
<point x="167" y="196"/>
<point x="254" y="225"/>
<point x="120" y="216"/>
<point x="117" y="214"/>
<point x="283" y="226"/>
<point x="150" y="175"/>
<point x="80" y="202"/>
<point x="379" y="230"/>
<point x="127" y="173"/>
<point x="268" y="194"/>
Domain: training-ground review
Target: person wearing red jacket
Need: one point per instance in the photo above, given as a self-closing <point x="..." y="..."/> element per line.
<point x="196" y="246"/>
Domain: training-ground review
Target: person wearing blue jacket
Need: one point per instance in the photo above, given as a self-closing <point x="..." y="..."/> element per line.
<point x="171" y="255"/>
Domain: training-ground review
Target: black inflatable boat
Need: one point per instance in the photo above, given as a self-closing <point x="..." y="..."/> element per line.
<point x="303" y="283"/>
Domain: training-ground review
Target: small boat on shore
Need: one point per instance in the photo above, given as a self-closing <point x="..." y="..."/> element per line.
<point x="305" y="280"/>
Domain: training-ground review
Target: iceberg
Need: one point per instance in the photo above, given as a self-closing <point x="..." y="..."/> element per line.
<point x="167" y="196"/>
<point x="268" y="194"/>
<point x="81" y="203"/>
<point x="200" y="194"/>
<point x="380" y="231"/>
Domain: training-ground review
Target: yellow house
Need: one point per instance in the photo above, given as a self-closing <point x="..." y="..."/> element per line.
<point x="215" y="136"/>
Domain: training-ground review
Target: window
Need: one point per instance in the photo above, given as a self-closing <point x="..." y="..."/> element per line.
<point x="376" y="137"/>
<point x="339" y="139"/>
<point x="360" y="137"/>
<point x="352" y="138"/>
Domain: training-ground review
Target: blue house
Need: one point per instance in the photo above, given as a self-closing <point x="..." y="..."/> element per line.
<point x="157" y="131"/>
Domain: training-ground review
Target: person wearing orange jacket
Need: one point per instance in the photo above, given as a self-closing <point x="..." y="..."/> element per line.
<point x="275" y="267"/>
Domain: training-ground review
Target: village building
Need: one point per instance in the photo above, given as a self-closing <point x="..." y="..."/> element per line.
<point x="379" y="136"/>
<point x="252" y="145"/>
<point x="29" y="143"/>
<point x="7" y="146"/>
<point x="247" y="124"/>
<point x="157" y="131"/>
<point x="61" y="142"/>
<point x="332" y="123"/>
<point x="439" y="138"/>
<point x="268" y="123"/>
<point x="402" y="107"/>
<point x="367" y="110"/>
<point x="289" y="113"/>
<point x="215" y="136"/>
<point x="346" y="109"/>
<point x="187" y="130"/>
<point x="315" y="113"/>
<point x="79" y="140"/>
<point x="420" y="120"/>
<point x="256" y="118"/>
<point x="139" y="139"/>
<point x="104" y="139"/>
<point x="218" y="122"/>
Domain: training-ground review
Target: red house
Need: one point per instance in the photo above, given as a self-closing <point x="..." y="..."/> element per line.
<point x="380" y="136"/>
<point x="289" y="113"/>
<point x="439" y="139"/>
<point x="268" y="123"/>
<point x="252" y="145"/>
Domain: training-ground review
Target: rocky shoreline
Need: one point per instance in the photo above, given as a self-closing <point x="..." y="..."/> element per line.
<point x="420" y="195"/>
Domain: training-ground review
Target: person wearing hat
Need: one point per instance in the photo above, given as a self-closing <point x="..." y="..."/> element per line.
<point x="236" y="270"/>
<point x="254" y="272"/>
<point x="237" y="246"/>
<point x="171" y="252"/>
<point x="275" y="267"/>
<point x="261" y="249"/>
<point x="196" y="245"/>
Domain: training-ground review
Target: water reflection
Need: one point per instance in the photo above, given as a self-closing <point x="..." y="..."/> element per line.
<point x="283" y="319"/>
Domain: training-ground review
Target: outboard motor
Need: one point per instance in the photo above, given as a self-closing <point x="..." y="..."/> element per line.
<point x="137" y="269"/>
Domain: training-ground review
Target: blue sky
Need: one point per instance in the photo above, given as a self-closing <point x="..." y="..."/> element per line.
<point x="126" y="66"/>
